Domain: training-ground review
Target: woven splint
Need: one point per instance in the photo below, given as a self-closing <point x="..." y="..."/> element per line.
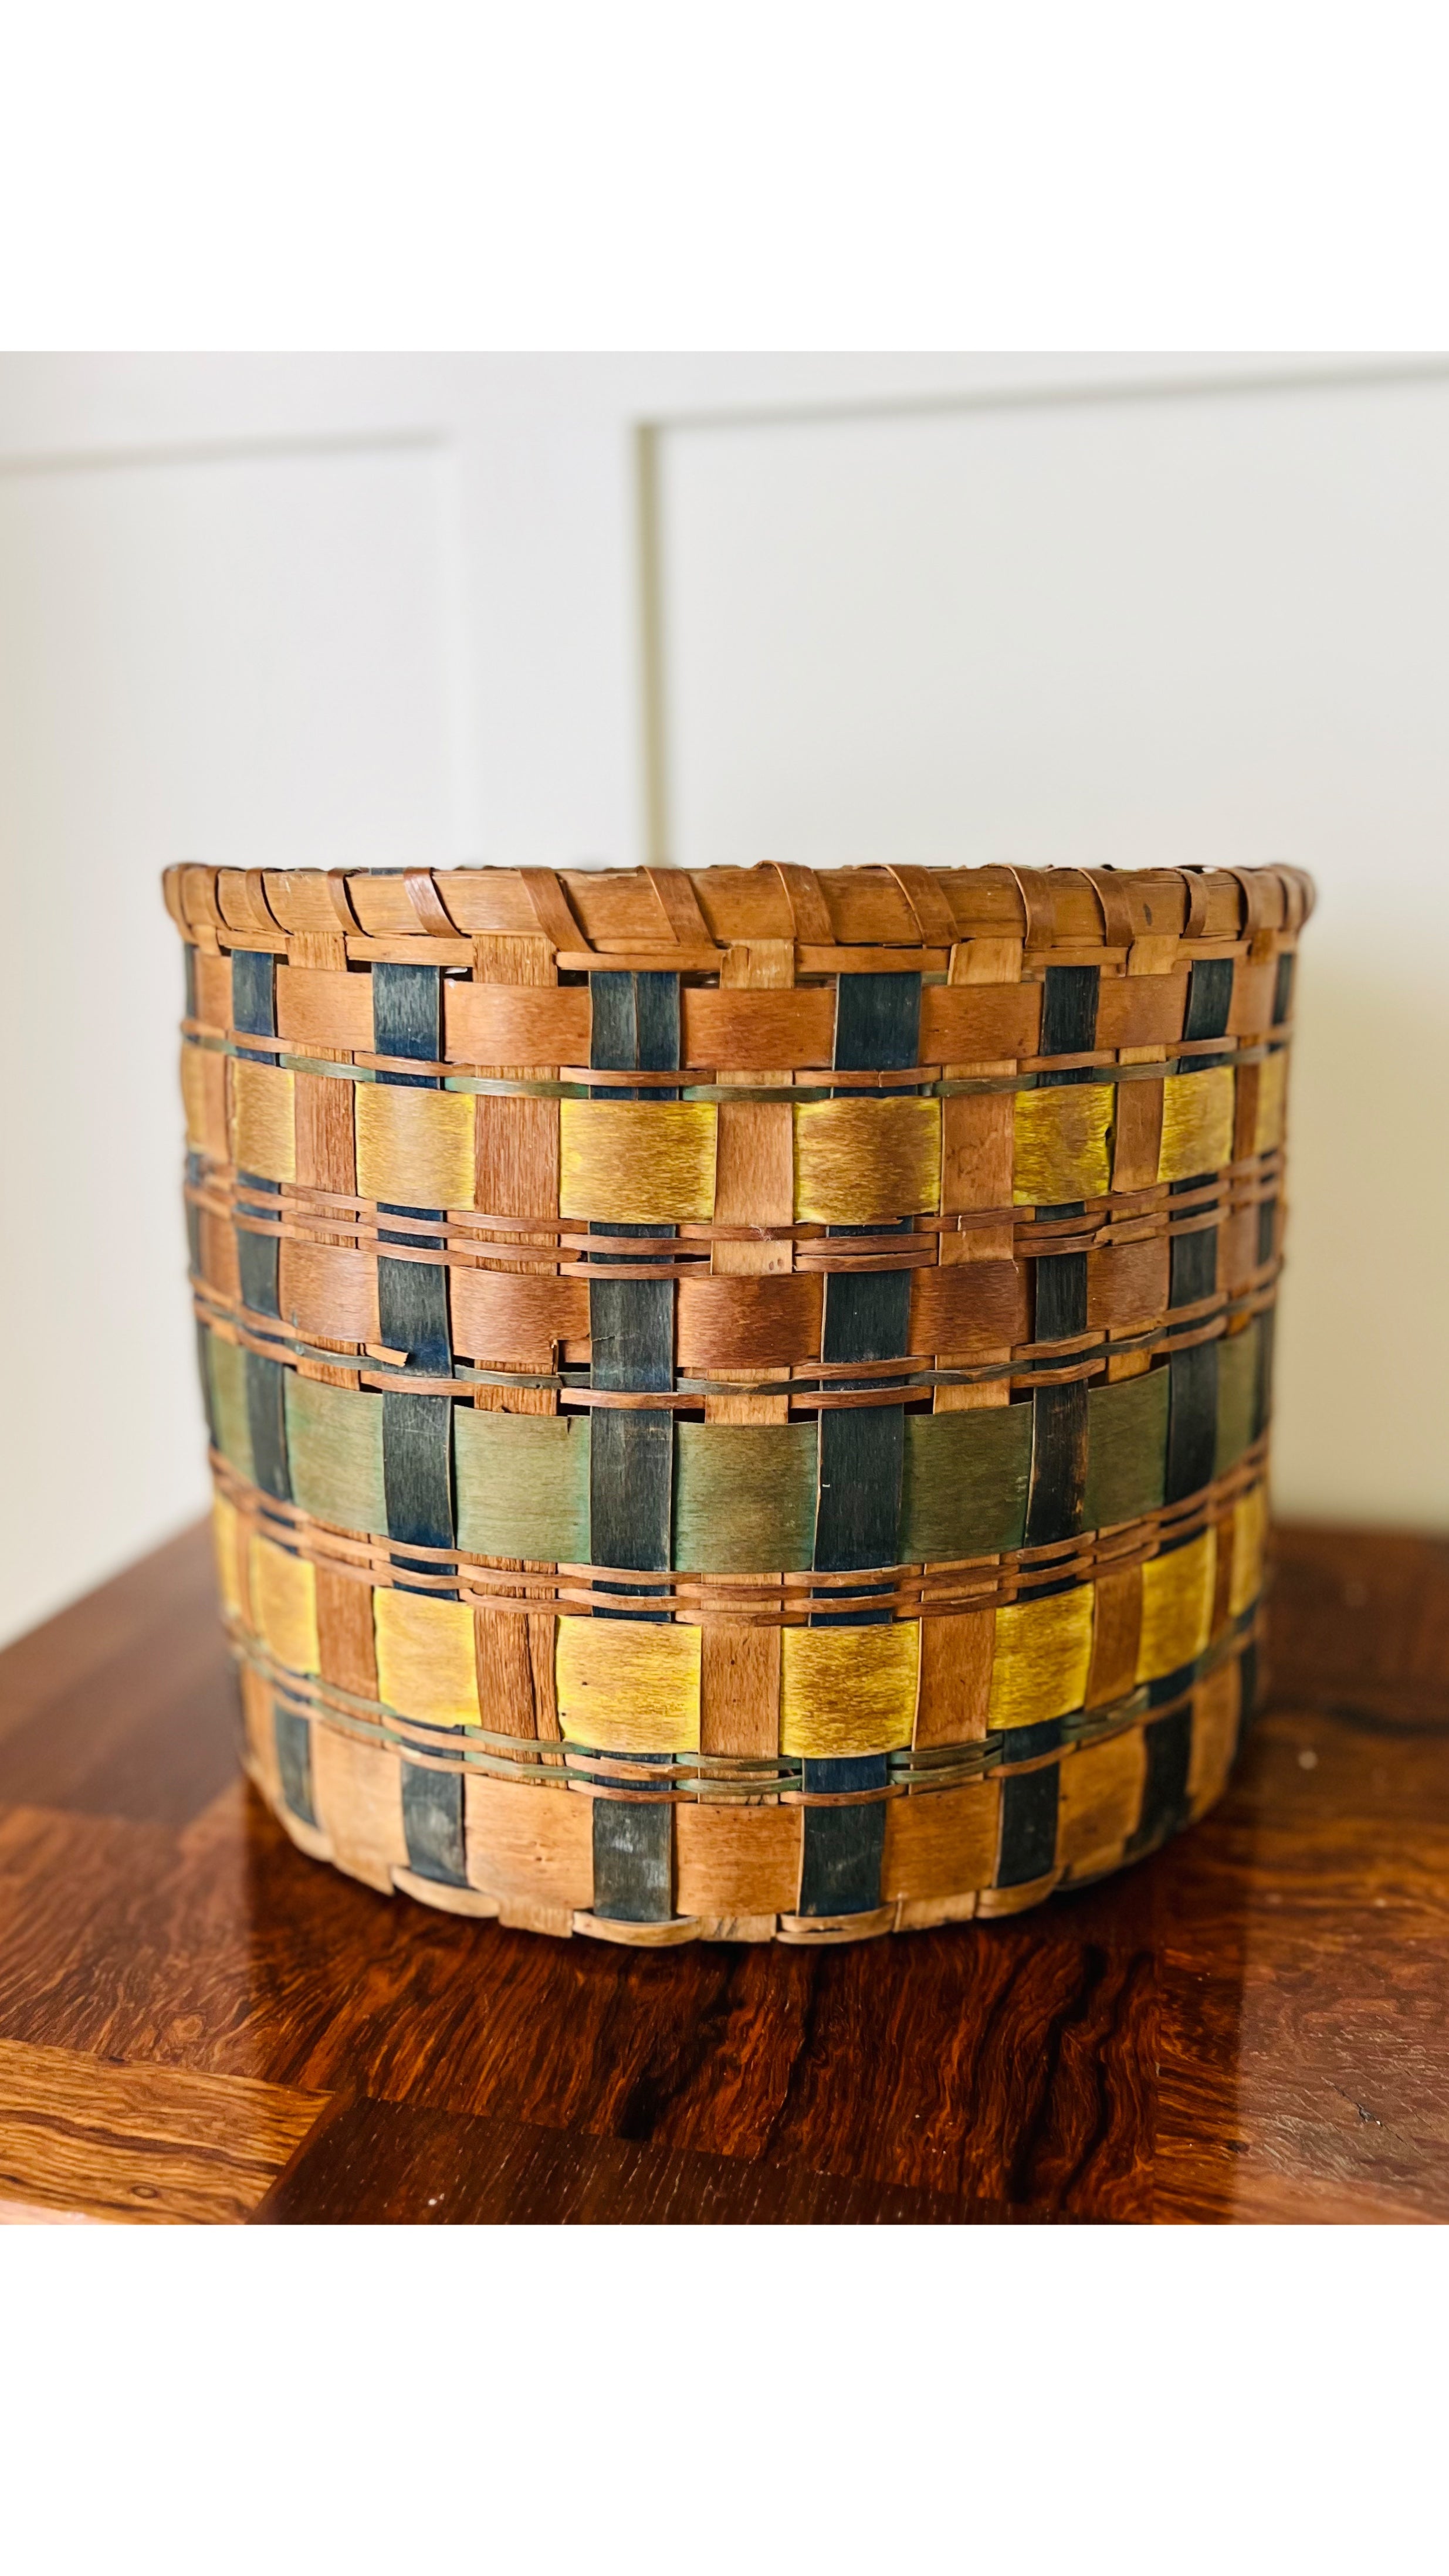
<point x="738" y="1400"/>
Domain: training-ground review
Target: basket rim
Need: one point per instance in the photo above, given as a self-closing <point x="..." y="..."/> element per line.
<point x="838" y="919"/>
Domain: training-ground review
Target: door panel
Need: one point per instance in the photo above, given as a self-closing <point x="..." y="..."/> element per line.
<point x="244" y="658"/>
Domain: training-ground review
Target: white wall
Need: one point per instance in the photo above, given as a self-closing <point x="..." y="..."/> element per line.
<point x="1205" y="629"/>
<point x="319" y="611"/>
<point x="233" y="658"/>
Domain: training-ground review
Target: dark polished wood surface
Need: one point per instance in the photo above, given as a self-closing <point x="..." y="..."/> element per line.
<point x="197" y="2023"/>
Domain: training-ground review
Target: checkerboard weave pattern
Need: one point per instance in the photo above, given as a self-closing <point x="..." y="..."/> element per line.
<point x="739" y="1399"/>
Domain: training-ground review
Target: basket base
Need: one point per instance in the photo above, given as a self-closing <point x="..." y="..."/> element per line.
<point x="799" y="1931"/>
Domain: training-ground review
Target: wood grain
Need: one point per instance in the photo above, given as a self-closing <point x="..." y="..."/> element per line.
<point x="1248" y="2026"/>
<point x="146" y="2143"/>
<point x="374" y="2165"/>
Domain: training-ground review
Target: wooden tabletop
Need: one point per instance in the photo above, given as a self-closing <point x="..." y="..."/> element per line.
<point x="197" y="2023"/>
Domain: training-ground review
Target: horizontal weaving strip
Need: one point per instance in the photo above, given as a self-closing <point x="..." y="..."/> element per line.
<point x="1036" y="1365"/>
<point x="1115" y="1409"/>
<point x="767" y="1597"/>
<point x="693" y="1776"/>
<point x="858" y="1160"/>
<point x="550" y="1026"/>
<point x="465" y="1234"/>
<point x="923" y="1080"/>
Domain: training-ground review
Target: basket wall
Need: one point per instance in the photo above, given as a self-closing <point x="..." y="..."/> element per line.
<point x="739" y="1400"/>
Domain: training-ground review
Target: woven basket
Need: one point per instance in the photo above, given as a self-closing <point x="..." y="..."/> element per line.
<point x="738" y="1400"/>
